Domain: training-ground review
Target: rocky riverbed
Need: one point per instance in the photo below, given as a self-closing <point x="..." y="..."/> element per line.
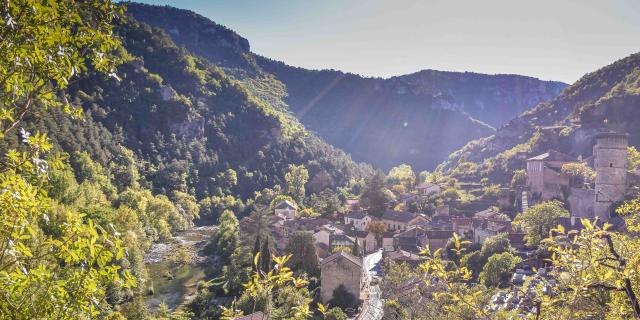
<point x="175" y="282"/>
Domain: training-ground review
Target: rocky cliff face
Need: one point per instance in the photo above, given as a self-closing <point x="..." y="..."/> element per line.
<point x="605" y="100"/>
<point x="416" y="119"/>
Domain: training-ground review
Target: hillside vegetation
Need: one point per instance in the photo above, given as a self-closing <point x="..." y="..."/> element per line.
<point x="603" y="100"/>
<point x="416" y="119"/>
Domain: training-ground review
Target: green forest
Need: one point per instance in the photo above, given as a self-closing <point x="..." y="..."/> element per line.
<point x="145" y="174"/>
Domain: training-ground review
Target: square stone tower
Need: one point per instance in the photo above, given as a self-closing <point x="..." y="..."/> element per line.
<point x="610" y="163"/>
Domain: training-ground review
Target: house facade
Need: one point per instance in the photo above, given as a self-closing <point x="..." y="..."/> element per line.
<point x="286" y="210"/>
<point x="400" y="221"/>
<point x="426" y="188"/>
<point x="359" y="219"/>
<point x="342" y="268"/>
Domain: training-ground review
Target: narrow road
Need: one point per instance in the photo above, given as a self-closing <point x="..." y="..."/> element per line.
<point x="373" y="307"/>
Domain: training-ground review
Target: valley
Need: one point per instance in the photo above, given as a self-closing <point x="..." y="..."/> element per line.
<point x="156" y="166"/>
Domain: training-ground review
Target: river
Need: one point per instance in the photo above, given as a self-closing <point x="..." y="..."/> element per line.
<point x="180" y="287"/>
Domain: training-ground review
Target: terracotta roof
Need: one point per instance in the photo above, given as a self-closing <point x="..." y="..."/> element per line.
<point x="342" y="255"/>
<point x="254" y="316"/>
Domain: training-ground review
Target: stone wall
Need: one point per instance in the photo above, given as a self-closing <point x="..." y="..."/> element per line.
<point x="340" y="271"/>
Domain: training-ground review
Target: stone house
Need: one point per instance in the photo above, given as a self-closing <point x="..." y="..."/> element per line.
<point x="400" y="221"/>
<point x="462" y="225"/>
<point x="323" y="234"/>
<point x="281" y="229"/>
<point x="359" y="219"/>
<point x="441" y="211"/>
<point x="483" y="229"/>
<point x="286" y="209"/>
<point x="342" y="268"/>
<point x="366" y="240"/>
<point x="387" y="241"/>
<point x="544" y="177"/>
<point x="411" y="240"/>
<point x="427" y="188"/>
<point x="341" y="240"/>
<point x="437" y="239"/>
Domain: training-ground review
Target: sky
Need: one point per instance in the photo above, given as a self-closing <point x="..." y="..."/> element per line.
<point x="548" y="39"/>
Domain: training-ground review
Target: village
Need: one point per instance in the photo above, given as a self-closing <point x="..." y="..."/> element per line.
<point x="353" y="248"/>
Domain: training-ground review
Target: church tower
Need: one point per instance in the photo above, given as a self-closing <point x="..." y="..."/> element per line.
<point x="610" y="163"/>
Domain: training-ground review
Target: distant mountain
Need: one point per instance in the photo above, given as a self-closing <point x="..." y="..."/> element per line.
<point x="416" y="119"/>
<point x="605" y="100"/>
<point x="191" y="127"/>
<point x="493" y="99"/>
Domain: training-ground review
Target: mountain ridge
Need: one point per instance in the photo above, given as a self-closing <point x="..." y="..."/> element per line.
<point x="602" y="100"/>
<point x="381" y="121"/>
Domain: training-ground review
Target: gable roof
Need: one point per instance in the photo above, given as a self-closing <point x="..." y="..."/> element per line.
<point x="439" y="234"/>
<point x="553" y="155"/>
<point x="254" y="316"/>
<point x="357" y="215"/>
<point x="286" y="204"/>
<point x="411" y="232"/>
<point x="399" y="216"/>
<point x="341" y="255"/>
<point x="358" y="234"/>
<point x="426" y="185"/>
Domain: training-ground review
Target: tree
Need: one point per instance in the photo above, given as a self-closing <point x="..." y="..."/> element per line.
<point x="539" y="219"/>
<point x="308" y="213"/>
<point x="519" y="178"/>
<point x="295" y="178"/>
<point x="186" y="205"/>
<point x="402" y="175"/>
<point x="374" y="196"/>
<point x="579" y="173"/>
<point x="304" y="258"/>
<point x="494" y="245"/>
<point x="226" y="238"/>
<point x="263" y="293"/>
<point x="54" y="263"/>
<point x="497" y="270"/>
<point x="335" y="313"/>
<point x="474" y="262"/>
<point x="279" y="198"/>
<point x="633" y="156"/>
<point x="326" y="202"/>
<point x="378" y="229"/>
<point x="600" y="265"/>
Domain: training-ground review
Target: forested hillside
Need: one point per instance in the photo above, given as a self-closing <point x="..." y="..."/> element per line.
<point x="603" y="100"/>
<point x="385" y="122"/>
<point x="197" y="130"/>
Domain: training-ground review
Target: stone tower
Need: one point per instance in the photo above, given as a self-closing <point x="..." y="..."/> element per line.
<point x="610" y="163"/>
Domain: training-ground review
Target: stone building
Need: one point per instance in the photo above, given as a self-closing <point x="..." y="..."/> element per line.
<point x="544" y="177"/>
<point x="342" y="268"/>
<point x="610" y="164"/>
<point x="427" y="188"/>
<point x="359" y="219"/>
<point x="286" y="210"/>
<point x="400" y="221"/>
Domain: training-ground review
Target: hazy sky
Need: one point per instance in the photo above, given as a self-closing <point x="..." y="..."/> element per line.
<point x="549" y="39"/>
